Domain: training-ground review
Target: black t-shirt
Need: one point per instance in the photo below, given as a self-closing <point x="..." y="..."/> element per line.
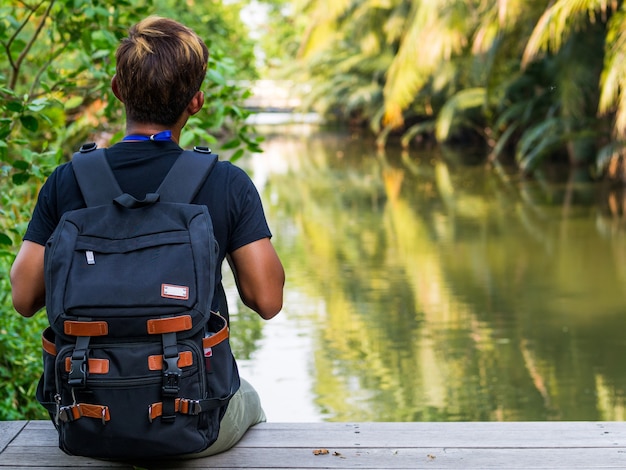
<point x="139" y="167"/>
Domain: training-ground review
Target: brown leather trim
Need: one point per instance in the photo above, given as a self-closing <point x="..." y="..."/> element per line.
<point x="96" y="366"/>
<point x="48" y="345"/>
<point x="185" y="359"/>
<point x="181" y="405"/>
<point x="169" y="325"/>
<point x="90" y="411"/>
<point x="86" y="328"/>
<point x="215" y="339"/>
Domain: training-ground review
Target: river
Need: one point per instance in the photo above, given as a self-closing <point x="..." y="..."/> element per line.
<point x="427" y="286"/>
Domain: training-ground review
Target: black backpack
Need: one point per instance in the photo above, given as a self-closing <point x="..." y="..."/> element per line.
<point x="136" y="366"/>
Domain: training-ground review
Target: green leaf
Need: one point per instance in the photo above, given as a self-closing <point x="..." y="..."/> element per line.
<point x="456" y="105"/>
<point x="503" y="140"/>
<point x="215" y="77"/>
<point x="99" y="54"/>
<point x="231" y="144"/>
<point x="73" y="102"/>
<point x="29" y="122"/>
<point x="15" y="106"/>
<point x="20" y="178"/>
<point x="426" y="127"/>
<point x="38" y="105"/>
<point x="5" y="239"/>
<point x="21" y="165"/>
<point x="237" y="155"/>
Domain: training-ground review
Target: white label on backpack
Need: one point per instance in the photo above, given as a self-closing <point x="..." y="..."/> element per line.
<point x="90" y="257"/>
<point x="174" y="292"/>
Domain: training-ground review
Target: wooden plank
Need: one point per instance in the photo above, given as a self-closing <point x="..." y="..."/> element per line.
<point x="508" y="434"/>
<point x="339" y="458"/>
<point x="412" y="435"/>
<point x="43" y="437"/>
<point x="43" y="465"/>
<point x="475" y="434"/>
<point x="471" y="446"/>
<point x="8" y="431"/>
<point x="40" y="424"/>
<point x="50" y="457"/>
<point x="377" y="458"/>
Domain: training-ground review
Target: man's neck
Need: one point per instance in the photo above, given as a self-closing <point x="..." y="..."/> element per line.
<point x="147" y="130"/>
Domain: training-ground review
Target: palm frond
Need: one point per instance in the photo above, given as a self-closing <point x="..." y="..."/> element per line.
<point x="614" y="150"/>
<point x="455" y="106"/>
<point x="539" y="142"/>
<point x="503" y="141"/>
<point x="498" y="17"/>
<point x="613" y="81"/>
<point x="558" y="22"/>
<point x="430" y="23"/>
<point x="427" y="127"/>
<point x="324" y="17"/>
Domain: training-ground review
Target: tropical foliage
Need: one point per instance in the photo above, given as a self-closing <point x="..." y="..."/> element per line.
<point x="56" y="62"/>
<point x="534" y="79"/>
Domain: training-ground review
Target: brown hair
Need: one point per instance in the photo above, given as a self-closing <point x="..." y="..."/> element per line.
<point x="160" y="67"/>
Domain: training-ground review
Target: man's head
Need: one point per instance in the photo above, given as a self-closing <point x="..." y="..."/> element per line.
<point x="160" y="67"/>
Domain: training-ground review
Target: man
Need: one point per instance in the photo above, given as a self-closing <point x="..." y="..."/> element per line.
<point x="160" y="68"/>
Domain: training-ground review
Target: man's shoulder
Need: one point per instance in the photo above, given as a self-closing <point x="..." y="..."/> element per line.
<point x="61" y="175"/>
<point x="225" y="167"/>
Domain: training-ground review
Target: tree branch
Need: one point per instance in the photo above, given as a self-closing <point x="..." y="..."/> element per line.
<point x="17" y="64"/>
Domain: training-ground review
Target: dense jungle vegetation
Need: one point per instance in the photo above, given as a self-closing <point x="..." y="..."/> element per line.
<point x="533" y="82"/>
<point x="536" y="81"/>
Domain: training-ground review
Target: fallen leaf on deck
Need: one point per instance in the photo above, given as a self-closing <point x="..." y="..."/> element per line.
<point x="320" y="452"/>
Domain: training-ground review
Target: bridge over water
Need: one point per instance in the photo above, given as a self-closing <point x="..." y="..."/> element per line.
<point x="274" y="95"/>
<point x="278" y="102"/>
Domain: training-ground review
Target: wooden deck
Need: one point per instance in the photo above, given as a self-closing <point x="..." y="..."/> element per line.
<point x="467" y="446"/>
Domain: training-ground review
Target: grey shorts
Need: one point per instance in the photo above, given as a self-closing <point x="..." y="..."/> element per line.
<point x="244" y="410"/>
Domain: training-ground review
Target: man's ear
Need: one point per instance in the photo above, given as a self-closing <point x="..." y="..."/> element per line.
<point x="196" y="103"/>
<point x="116" y="90"/>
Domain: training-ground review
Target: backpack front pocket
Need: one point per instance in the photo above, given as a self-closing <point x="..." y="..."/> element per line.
<point x="122" y="409"/>
<point x="132" y="274"/>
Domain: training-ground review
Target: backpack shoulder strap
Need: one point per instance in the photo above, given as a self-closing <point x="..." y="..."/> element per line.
<point x="189" y="171"/>
<point x="95" y="177"/>
<point x="98" y="184"/>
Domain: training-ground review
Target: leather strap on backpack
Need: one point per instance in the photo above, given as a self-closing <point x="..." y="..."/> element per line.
<point x="187" y="407"/>
<point x="84" y="410"/>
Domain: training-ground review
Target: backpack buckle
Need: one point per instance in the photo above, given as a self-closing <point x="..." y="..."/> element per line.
<point x="171" y="376"/>
<point x="79" y="366"/>
<point x="201" y="149"/>
<point x="65" y="415"/>
<point x="88" y="147"/>
<point x="78" y="372"/>
<point x="190" y="407"/>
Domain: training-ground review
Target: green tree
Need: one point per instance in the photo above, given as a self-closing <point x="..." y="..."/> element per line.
<point x="345" y="51"/>
<point x="540" y="81"/>
<point x="54" y="58"/>
<point x="587" y="37"/>
<point x="56" y="62"/>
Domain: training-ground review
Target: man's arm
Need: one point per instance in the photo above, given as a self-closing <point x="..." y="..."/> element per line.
<point x="259" y="276"/>
<point x="27" y="279"/>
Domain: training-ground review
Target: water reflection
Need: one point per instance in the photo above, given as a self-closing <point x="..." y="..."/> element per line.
<point x="423" y="289"/>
